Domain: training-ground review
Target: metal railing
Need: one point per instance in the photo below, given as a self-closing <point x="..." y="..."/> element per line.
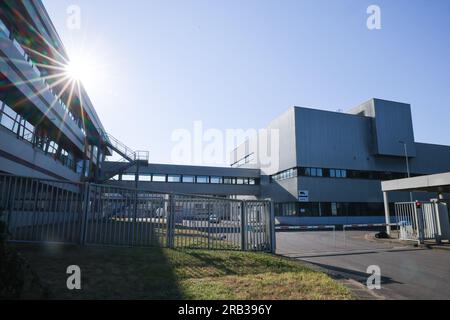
<point x="418" y="221"/>
<point x="39" y="210"/>
<point x="120" y="147"/>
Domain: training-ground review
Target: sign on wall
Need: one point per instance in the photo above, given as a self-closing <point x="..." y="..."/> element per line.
<point x="303" y="195"/>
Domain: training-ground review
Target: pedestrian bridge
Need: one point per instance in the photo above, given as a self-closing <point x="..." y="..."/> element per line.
<point x="219" y="181"/>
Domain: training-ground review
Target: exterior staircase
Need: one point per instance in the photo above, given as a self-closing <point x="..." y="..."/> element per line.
<point x="129" y="158"/>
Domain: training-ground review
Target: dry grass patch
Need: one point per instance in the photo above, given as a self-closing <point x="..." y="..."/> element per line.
<point x="266" y="286"/>
<point x="155" y="273"/>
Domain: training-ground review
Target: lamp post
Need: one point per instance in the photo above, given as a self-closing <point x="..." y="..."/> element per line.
<point x="407" y="166"/>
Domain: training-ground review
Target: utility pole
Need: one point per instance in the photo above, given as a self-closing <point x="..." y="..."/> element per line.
<point x="407" y="166"/>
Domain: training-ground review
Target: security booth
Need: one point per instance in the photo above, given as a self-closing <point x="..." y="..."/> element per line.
<point x="420" y="220"/>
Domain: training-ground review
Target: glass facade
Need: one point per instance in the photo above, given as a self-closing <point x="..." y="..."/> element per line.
<point x="338" y="174"/>
<point x="40" y="139"/>
<point x="200" y="179"/>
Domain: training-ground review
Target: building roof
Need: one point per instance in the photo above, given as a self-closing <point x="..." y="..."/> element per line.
<point x="430" y="183"/>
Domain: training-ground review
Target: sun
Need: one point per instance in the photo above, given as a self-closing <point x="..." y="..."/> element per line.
<point x="87" y="70"/>
<point x="80" y="69"/>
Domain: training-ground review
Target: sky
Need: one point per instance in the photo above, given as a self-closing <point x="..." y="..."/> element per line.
<point x="160" y="66"/>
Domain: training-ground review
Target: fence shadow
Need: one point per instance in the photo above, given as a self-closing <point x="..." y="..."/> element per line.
<point x="106" y="272"/>
<point x="339" y="272"/>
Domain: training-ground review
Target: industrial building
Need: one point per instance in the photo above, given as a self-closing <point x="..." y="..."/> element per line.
<point x="49" y="128"/>
<point x="331" y="164"/>
<point x="327" y="167"/>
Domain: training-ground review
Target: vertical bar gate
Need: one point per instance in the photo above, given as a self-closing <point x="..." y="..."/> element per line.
<point x="39" y="210"/>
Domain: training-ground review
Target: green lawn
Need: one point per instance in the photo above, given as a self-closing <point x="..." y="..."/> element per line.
<point x="153" y="273"/>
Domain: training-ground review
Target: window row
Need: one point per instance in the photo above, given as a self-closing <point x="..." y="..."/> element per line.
<point x="171" y="178"/>
<point x="337" y="173"/>
<point x="329" y="209"/>
<point x="24" y="130"/>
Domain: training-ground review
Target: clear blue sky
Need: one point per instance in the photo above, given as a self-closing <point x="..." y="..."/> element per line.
<point x="239" y="64"/>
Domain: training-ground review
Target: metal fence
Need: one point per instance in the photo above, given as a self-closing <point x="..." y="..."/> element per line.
<point x="417" y="222"/>
<point x="39" y="210"/>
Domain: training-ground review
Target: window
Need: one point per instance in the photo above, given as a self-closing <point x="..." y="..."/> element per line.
<point x="174" y="178"/>
<point x="52" y="147"/>
<point x="334" y="210"/>
<point x="188" y="179"/>
<point x="159" y="178"/>
<point x="202" y="179"/>
<point x="128" y="177"/>
<point x="229" y="180"/>
<point x="7" y="122"/>
<point x="239" y="181"/>
<point x="216" y="180"/>
<point x="332" y="173"/>
<point x="251" y="181"/>
<point x="145" y="177"/>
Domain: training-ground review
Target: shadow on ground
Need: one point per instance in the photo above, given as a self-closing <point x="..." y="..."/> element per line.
<point x="343" y="273"/>
<point x="107" y="273"/>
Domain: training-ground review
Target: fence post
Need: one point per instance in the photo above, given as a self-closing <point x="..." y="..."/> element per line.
<point x="419" y="223"/>
<point x="169" y="222"/>
<point x="84" y="214"/>
<point x="273" y="238"/>
<point x="243" y="227"/>
<point x="437" y="221"/>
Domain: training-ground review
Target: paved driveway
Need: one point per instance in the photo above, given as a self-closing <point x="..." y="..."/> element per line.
<point x="407" y="272"/>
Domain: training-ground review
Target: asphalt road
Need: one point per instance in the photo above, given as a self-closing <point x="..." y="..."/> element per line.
<point x="406" y="272"/>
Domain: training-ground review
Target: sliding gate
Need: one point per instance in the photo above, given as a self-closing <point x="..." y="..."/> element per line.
<point x="39" y="210"/>
<point x="418" y="221"/>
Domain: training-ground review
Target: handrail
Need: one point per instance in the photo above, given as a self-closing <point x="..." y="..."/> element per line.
<point x="119" y="146"/>
<point x="125" y="151"/>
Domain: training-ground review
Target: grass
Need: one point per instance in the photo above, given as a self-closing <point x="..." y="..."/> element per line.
<point x="154" y="273"/>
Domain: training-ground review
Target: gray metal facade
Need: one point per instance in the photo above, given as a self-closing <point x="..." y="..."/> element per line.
<point x="367" y="141"/>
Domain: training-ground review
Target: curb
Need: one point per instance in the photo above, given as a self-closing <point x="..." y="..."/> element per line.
<point x="436" y="247"/>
